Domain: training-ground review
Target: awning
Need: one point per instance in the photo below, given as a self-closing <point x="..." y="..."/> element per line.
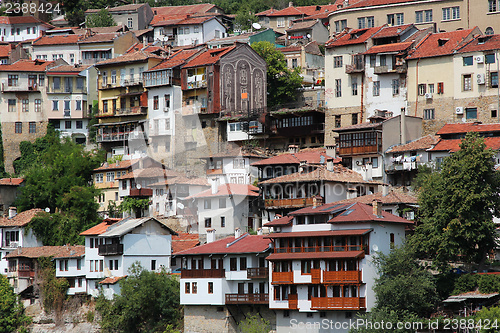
<point x="354" y="232"/>
<point x="316" y="255"/>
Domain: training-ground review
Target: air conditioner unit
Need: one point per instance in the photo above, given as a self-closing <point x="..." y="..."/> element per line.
<point x="481" y="78"/>
<point x="428" y="95"/>
<point x="479" y="59"/>
<point x="459" y="110"/>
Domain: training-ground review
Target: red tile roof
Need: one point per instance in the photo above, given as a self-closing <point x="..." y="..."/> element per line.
<point x="65" y="251"/>
<point x="245" y="244"/>
<point x="266" y="12"/>
<point x="182" y="10"/>
<point x="57" y="40"/>
<point x="21" y="219"/>
<point x="99" y="38"/>
<point x="129" y="7"/>
<point x="441" y="44"/>
<point x="11" y="181"/>
<point x="353" y="37"/>
<point x="67" y="69"/>
<point x="182" y="180"/>
<point x="184" y="241"/>
<point x="177" y="59"/>
<point x="117" y="165"/>
<point x="238" y="151"/>
<point x="209" y="57"/>
<point x="26" y="65"/>
<point x="152" y="172"/>
<point x="23" y="20"/>
<point x="301" y="10"/>
<point x="160" y="21"/>
<point x="461" y="128"/>
<point x="368" y="3"/>
<point x="280" y="222"/>
<point x="112" y="279"/>
<point x="423" y="143"/>
<point x="310" y="156"/>
<point x="302" y="25"/>
<point x="5" y="50"/>
<point x="394" y="197"/>
<point x="229" y="189"/>
<point x="316" y="255"/>
<point x="392" y="31"/>
<point x="360" y="212"/>
<point x="482" y="43"/>
<point x="136" y="56"/>
<point x="453" y="145"/>
<point x="389" y="48"/>
<point x="100" y="228"/>
<point x="326" y="233"/>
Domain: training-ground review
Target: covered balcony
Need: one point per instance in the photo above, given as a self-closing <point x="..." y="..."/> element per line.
<point x="258" y="273"/>
<point x="110" y="249"/>
<point x="203" y="273"/>
<point x="338" y="303"/>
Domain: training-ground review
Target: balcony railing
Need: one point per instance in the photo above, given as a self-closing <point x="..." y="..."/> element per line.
<point x="93" y="61"/>
<point x="293" y="301"/>
<point x="67" y="113"/>
<point x="110" y="249"/>
<point x="135" y="110"/>
<point x="325" y="248"/>
<point x="9" y="244"/>
<point x="341" y="276"/>
<point x="282" y="278"/>
<point x="66" y="90"/>
<point x="196" y="84"/>
<point x="289" y="203"/>
<point x="203" y="273"/>
<point x="26" y="273"/>
<point x="359" y="150"/>
<point x="20" y="87"/>
<point x="141" y="192"/>
<point x="247" y="298"/>
<point x="338" y="303"/>
<point x="381" y="69"/>
<point x="355" y="68"/>
<point x="393" y="167"/>
<point x="258" y="273"/>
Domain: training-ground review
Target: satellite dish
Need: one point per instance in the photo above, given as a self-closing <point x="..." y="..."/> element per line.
<point x="256" y="26"/>
<point x="375" y="247"/>
<point x="138" y="186"/>
<point x="180" y="205"/>
<point x="47" y="210"/>
<point x="165" y="38"/>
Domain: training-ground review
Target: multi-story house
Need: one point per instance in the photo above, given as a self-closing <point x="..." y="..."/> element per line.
<point x="52" y="47"/>
<point x="321" y="267"/>
<point x="112" y="246"/>
<point x="225" y="280"/>
<point x="362" y="146"/>
<point x="194" y="10"/>
<point x="305" y="31"/>
<point x="23" y="106"/>
<point x="439" y="78"/>
<point x="67" y="88"/>
<point x="13" y="234"/>
<point x="225" y="208"/>
<point x="97" y="47"/>
<point x="133" y="16"/>
<point x="15" y="29"/>
<point x="190" y="30"/>
<point x="69" y="264"/>
<point x="123" y="102"/>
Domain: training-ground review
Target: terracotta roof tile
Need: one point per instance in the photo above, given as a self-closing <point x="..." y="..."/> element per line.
<point x="229" y="189"/>
<point x="182" y="10"/>
<point x="100" y="228"/>
<point x="117" y="165"/>
<point x="453" y="145"/>
<point x="245" y="244"/>
<point x="99" y="38"/>
<point x="23" y="20"/>
<point x="389" y="48"/>
<point x="292" y="48"/>
<point x="107" y="30"/>
<point x="25" y="65"/>
<point x="393" y="197"/>
<point x="356" y="36"/>
<point x="301" y="10"/>
<point x="152" y="172"/>
<point x="310" y="156"/>
<point x="316" y="255"/>
<point x="301" y="25"/>
<point x="441" y="44"/>
<point x="5" y="50"/>
<point x="361" y="126"/>
<point x="239" y="151"/>
<point x="57" y="40"/>
<point x="177" y="59"/>
<point x="209" y="57"/>
<point x="184" y="241"/>
<point x="280" y="222"/>
<point x="67" y="69"/>
<point x="11" y="181"/>
<point x="360" y="212"/>
<point x="368" y="3"/>
<point x="468" y="127"/>
<point x="129" y="57"/>
<point x="112" y="279"/>
<point x="182" y="180"/>
<point x="132" y="7"/>
<point x="392" y="31"/>
<point x="482" y="43"/>
<point x="423" y="143"/>
<point x="300" y="234"/>
<point x="21" y="219"/>
<point x="66" y="251"/>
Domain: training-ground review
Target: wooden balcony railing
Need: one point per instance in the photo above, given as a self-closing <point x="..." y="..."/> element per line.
<point x="315" y="276"/>
<point x="338" y="303"/>
<point x="203" y="273"/>
<point x="331" y="248"/>
<point x="355" y="68"/>
<point x="293" y="301"/>
<point x="341" y="276"/>
<point x="258" y="273"/>
<point x="141" y="192"/>
<point x="289" y="203"/>
<point x="110" y="249"/>
<point x="24" y="273"/>
<point x="247" y="298"/>
<point x="282" y="278"/>
<point x="359" y="150"/>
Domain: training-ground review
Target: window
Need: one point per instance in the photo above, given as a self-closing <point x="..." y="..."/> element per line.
<point x="41" y="79"/>
<point x="492" y="6"/>
<point x="13" y="80"/>
<point x="428" y="15"/>
<point x="110" y="176"/>
<point x="422" y="89"/>
<point x="428" y="114"/>
<point x="374" y="162"/>
<point x="467" y="61"/>
<point x="26" y="105"/>
<point x="78" y="264"/>
<point x="208" y="222"/>
<point x="79" y="124"/>
<point x="337" y="121"/>
<point x="395" y="87"/>
<point x="111" y="265"/>
<point x="222" y="203"/>
<point x="38" y="105"/>
<point x="281" y="22"/>
<point x="440" y="87"/>
<point x="238" y="163"/>
<point x="243" y="264"/>
<point x="67" y="105"/>
<point x="101" y="265"/>
<point x="373" y="60"/>
<point x="494" y="79"/>
<point x="130" y="22"/>
<point x="340" y="25"/>
<point x="67" y="124"/>
<point x="390" y="19"/>
<point x="338" y="88"/>
<point x="422" y="16"/>
<point x="467" y="82"/>
<point x="19" y="127"/>
<point x="99" y="177"/>
<point x="354" y="118"/>
<point x="400" y="19"/>
<point x="233" y="263"/>
<point x="210" y="287"/>
<point x="55" y="105"/>
<point x="153" y="268"/>
<point x="451" y="13"/>
<point x="430" y="87"/>
<point x="471" y="113"/>
<point x="376" y="88"/>
<point x="32" y="127"/>
<point x="223" y="221"/>
<point x="370" y="22"/>
<point x="337" y="62"/>
<point x="187" y="287"/>
<point x="494" y="113"/>
<point x="383" y="60"/>
<point x="354" y="86"/>
<point x="195" y="287"/>
<point x="207" y="204"/>
<point x="361" y="22"/>
<point x="28" y="30"/>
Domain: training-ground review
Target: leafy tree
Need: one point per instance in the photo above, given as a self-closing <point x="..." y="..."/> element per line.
<point x="134" y="310"/>
<point x="11" y="310"/>
<point x="282" y="83"/>
<point x="134" y="205"/>
<point x="244" y="18"/>
<point x="100" y="19"/>
<point x="457" y="205"/>
<point x="403" y="284"/>
<point x="254" y="324"/>
<point x="491" y="316"/>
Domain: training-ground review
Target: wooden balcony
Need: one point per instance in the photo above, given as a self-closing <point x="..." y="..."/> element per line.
<point x="315" y="276"/>
<point x="282" y="278"/>
<point x="247" y="298"/>
<point x="110" y="249"/>
<point x="331" y="248"/>
<point x="293" y="301"/>
<point x="289" y="203"/>
<point x="359" y="150"/>
<point x="258" y="273"/>
<point x="203" y="273"/>
<point x="341" y="277"/>
<point x="338" y="303"/>
<point x="26" y="273"/>
<point x="141" y="192"/>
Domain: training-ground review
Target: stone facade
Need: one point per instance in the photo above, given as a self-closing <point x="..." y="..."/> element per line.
<point x="346" y="119"/>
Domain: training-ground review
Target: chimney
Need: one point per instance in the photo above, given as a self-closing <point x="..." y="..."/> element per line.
<point x="352" y="193"/>
<point x="329" y="164"/>
<point x="259" y="231"/>
<point x="302" y="166"/>
<point x="368" y="172"/>
<point x="331" y="151"/>
<point x="385" y="190"/>
<point x="215" y="185"/>
<point x="290" y="4"/>
<point x="403" y="126"/>
<point x="377" y="208"/>
<point x="117" y="162"/>
<point x="237" y="233"/>
<point x="12" y="212"/>
<point x="210" y="235"/>
<point x="293" y="149"/>
<point x="317" y="201"/>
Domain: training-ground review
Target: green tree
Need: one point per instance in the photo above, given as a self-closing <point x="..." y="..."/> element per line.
<point x="244" y="18"/>
<point x="490" y="316"/>
<point x="457" y="205"/>
<point x="134" y="205"/>
<point x="254" y="324"/>
<point x="282" y="83"/>
<point x="403" y="284"/>
<point x="134" y="310"/>
<point x="100" y="19"/>
<point x="11" y="310"/>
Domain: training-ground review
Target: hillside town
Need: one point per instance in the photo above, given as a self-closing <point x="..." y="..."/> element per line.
<point x="271" y="170"/>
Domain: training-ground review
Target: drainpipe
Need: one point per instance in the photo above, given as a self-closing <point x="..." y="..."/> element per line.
<point x="416" y="78"/>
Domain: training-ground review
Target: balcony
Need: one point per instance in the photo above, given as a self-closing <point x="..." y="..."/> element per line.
<point x="288" y="203"/>
<point x="355" y="68"/>
<point x="258" y="273"/>
<point x="282" y="278"/>
<point x="202" y="273"/>
<point x="293" y="301"/>
<point x="92" y="61"/>
<point x="341" y="276"/>
<point x="324" y="248"/>
<point x="132" y="111"/>
<point x="26" y="273"/>
<point x="130" y="82"/>
<point x="20" y="87"/>
<point x="66" y="90"/>
<point x="338" y="303"/>
<point x="110" y="249"/>
<point x="395" y="167"/>
<point x="247" y="298"/>
<point x="381" y="69"/>
<point x="196" y="82"/>
<point x="141" y="192"/>
<point x="11" y="245"/>
<point x="347" y="151"/>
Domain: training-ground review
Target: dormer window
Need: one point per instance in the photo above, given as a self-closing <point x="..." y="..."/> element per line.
<point x="442" y="41"/>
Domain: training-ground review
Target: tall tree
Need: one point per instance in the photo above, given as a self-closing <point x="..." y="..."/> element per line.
<point x="282" y="83"/>
<point x="11" y="310"/>
<point x="100" y="19"/>
<point x="457" y="205"/>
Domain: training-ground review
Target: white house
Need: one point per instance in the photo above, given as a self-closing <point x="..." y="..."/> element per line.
<point x="20" y="28"/>
<point x="53" y="47"/>
<point x="70" y="265"/>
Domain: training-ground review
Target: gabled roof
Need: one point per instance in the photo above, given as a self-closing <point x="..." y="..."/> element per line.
<point x="422" y="143"/>
<point x="182" y="181"/>
<point x="209" y="57"/>
<point x="280" y="222"/>
<point x="11" y="181"/>
<point x="23" y="20"/>
<point x="99" y="38"/>
<point x="226" y="190"/>
<point x="124" y="226"/>
<point x="67" y="69"/>
<point x="360" y="212"/>
<point x="57" y="40"/>
<point x="238" y="151"/>
<point x="182" y="10"/>
<point x="65" y="251"/>
<point x="112" y="279"/>
<point x="310" y="156"/>
<point x="441" y="44"/>
<point x="129" y="7"/>
<point x="369" y="3"/>
<point x="302" y="25"/>
<point x="462" y="128"/>
<point x="137" y="56"/>
<point x="184" y="241"/>
<point x="178" y="58"/>
<point x="300" y="10"/>
<point x="26" y="65"/>
<point x="21" y="219"/>
<point x="395" y="196"/>
<point x="187" y="20"/>
<point x="482" y="43"/>
<point x="5" y="50"/>
<point x="230" y="245"/>
<point x="152" y="172"/>
<point x="266" y="12"/>
<point x="353" y="37"/>
<point x="389" y="48"/>
<point x="100" y="228"/>
<point x="392" y="31"/>
<point x="453" y="145"/>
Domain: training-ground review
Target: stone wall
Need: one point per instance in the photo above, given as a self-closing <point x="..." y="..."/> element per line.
<point x="345" y="114"/>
